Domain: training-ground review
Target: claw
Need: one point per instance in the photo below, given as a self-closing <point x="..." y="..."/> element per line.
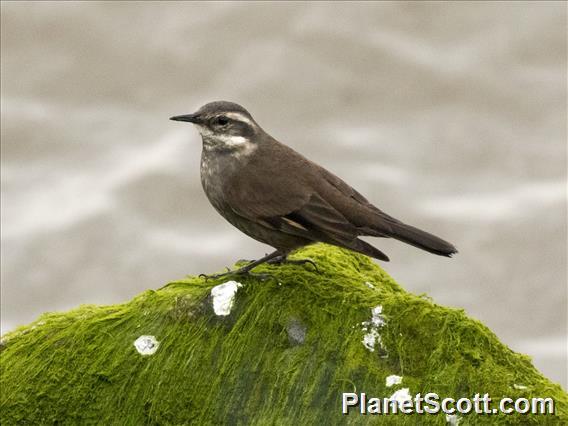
<point x="303" y="262"/>
<point x="311" y="262"/>
<point x="282" y="260"/>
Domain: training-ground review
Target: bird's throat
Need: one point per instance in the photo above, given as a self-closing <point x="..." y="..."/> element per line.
<point x="230" y="144"/>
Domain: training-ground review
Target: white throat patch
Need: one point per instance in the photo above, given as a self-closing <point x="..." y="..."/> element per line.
<point x="238" y="144"/>
<point x="231" y="140"/>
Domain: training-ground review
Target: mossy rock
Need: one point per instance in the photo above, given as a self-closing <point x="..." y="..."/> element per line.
<point x="291" y="345"/>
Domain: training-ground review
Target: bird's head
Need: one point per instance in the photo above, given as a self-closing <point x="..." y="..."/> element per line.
<point x="224" y="126"/>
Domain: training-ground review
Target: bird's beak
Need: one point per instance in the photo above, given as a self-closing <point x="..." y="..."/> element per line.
<point x="191" y="118"/>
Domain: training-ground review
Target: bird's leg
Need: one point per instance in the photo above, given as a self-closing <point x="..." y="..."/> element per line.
<point x="283" y="258"/>
<point x="247" y="268"/>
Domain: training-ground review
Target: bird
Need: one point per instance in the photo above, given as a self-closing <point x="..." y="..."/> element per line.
<point x="277" y="196"/>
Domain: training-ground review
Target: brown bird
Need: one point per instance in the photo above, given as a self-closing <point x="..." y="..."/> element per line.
<point x="277" y="196"/>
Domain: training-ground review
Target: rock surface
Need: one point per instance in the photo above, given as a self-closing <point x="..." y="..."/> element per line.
<point x="280" y="351"/>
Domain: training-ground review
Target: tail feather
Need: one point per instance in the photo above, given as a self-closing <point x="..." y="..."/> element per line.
<point x="367" y="249"/>
<point x="421" y="239"/>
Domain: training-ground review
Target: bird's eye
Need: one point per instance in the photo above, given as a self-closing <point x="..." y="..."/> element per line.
<point x="222" y="120"/>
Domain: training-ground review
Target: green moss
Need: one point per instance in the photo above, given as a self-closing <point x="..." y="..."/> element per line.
<point x="289" y="348"/>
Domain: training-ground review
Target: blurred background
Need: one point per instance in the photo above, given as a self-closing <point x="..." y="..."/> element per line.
<point x="450" y="116"/>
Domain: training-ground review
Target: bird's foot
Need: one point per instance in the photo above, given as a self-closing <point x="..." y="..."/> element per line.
<point x="244" y="271"/>
<point x="283" y="259"/>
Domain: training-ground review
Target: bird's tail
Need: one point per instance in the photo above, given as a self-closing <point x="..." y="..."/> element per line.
<point x="421" y="239"/>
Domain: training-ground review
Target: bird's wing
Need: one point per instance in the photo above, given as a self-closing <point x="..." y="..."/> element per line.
<point x="274" y="182"/>
<point x="280" y="190"/>
<point x="283" y="190"/>
<point x="289" y="193"/>
<point x="280" y="183"/>
<point x="265" y="195"/>
<point x="357" y="203"/>
<point x="317" y="220"/>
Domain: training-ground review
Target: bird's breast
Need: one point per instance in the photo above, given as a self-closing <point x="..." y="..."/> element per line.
<point x="215" y="173"/>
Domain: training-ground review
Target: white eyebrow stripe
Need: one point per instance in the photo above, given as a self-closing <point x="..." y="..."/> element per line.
<point x="239" y="117"/>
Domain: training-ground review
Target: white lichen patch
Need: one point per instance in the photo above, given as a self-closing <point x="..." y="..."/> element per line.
<point x="368" y="284"/>
<point x="519" y="387"/>
<point x="223" y="297"/>
<point x="372" y="338"/>
<point x="393" y="380"/>
<point x="401" y="395"/>
<point x="453" y="419"/>
<point x="377" y="319"/>
<point x="146" y="345"/>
